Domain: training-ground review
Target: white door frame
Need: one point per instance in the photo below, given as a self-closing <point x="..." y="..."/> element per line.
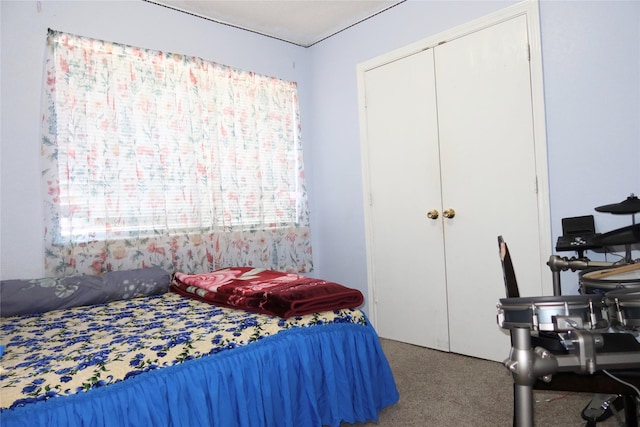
<point x="530" y="9"/>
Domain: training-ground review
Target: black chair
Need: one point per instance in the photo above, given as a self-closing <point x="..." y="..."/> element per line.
<point x="625" y="387"/>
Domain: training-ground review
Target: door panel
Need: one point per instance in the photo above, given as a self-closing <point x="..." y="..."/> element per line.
<point x="489" y="178"/>
<point x="404" y="184"/>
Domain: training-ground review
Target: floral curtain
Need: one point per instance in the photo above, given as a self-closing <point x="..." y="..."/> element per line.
<point x="160" y="159"/>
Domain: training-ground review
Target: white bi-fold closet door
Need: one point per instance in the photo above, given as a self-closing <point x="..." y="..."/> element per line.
<point x="450" y="159"/>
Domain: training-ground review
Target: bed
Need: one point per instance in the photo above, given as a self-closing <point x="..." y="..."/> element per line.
<point x="162" y="358"/>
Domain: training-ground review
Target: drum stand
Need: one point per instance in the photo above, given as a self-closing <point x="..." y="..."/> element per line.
<point x="558" y="264"/>
<point x="527" y="364"/>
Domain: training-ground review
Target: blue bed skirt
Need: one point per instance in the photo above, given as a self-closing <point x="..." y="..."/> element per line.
<point x="311" y="376"/>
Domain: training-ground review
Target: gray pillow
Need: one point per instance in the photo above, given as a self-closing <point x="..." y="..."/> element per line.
<point x="19" y="297"/>
<point x="128" y="284"/>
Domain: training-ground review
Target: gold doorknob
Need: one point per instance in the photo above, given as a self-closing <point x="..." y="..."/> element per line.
<point x="449" y="213"/>
<point x="433" y="214"/>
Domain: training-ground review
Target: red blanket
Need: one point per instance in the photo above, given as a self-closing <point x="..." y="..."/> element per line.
<point x="266" y="291"/>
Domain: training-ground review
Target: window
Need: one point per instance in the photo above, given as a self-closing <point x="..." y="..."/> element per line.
<point x="153" y="158"/>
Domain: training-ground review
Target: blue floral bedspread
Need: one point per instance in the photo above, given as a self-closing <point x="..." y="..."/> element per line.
<point x="71" y="351"/>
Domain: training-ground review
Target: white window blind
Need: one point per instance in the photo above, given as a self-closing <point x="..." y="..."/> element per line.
<point x="139" y="144"/>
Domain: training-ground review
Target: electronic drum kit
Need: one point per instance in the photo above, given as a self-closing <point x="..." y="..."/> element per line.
<point x="597" y="330"/>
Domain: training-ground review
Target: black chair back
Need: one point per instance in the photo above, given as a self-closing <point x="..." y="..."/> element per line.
<point x="510" y="282"/>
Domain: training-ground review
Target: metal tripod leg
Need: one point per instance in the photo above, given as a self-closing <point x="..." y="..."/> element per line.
<point x="522" y="357"/>
<point x="526" y="365"/>
<point x="522" y="405"/>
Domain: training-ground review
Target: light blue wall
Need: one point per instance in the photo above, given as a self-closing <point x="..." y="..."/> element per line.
<point x="591" y="56"/>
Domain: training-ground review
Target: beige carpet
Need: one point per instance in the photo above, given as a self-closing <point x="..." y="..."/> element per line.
<point x="446" y="389"/>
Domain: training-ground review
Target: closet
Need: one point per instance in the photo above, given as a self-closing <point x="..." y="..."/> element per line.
<point x="451" y="160"/>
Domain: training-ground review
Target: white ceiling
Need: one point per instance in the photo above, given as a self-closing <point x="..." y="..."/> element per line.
<point x="301" y="22"/>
